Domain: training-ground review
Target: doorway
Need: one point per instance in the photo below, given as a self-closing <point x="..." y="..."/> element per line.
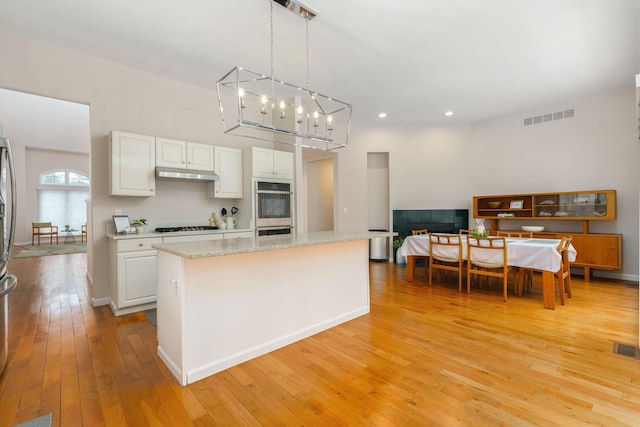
<point x="46" y="134"/>
<point x="320" y="195"/>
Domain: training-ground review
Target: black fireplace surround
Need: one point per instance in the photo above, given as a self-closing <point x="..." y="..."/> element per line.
<point x="434" y="220"/>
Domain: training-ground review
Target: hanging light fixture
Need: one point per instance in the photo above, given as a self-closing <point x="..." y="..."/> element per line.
<point x="260" y="106"/>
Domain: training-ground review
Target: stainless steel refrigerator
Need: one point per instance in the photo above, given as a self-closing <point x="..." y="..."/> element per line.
<point x="8" y="281"/>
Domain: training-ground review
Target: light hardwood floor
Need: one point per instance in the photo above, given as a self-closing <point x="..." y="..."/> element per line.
<point x="424" y="356"/>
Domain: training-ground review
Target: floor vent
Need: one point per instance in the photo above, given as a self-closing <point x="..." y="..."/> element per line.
<point x="625" y="350"/>
<point x="548" y="117"/>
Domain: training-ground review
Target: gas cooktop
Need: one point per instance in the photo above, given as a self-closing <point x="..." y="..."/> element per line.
<point x="185" y="228"/>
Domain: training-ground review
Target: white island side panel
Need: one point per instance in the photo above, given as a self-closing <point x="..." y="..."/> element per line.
<point x="240" y="306"/>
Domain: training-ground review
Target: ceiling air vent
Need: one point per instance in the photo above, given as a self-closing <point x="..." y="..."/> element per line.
<point x="548" y="117"/>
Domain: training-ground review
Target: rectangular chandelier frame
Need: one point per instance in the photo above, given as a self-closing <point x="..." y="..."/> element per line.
<point x="257" y="106"/>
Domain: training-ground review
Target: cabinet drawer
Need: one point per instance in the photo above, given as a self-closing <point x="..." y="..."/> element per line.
<point x="130" y="245"/>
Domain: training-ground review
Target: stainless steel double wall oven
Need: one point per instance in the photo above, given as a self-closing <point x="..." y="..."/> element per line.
<point x="274" y="207"/>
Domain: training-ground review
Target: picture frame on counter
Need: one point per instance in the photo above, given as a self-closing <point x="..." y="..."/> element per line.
<point x="122" y="224"/>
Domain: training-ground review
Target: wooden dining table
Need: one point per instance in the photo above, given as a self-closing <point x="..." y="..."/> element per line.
<point x="531" y="253"/>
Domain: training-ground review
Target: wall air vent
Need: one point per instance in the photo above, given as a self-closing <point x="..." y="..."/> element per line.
<point x="548" y="117"/>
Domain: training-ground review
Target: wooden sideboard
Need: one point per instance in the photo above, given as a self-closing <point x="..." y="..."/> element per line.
<point x="602" y="251"/>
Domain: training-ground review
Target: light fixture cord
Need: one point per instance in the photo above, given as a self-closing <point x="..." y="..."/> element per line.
<point x="306" y="18"/>
<point x="271" y="28"/>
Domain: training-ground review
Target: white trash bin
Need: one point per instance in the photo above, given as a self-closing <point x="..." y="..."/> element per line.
<point x="378" y="248"/>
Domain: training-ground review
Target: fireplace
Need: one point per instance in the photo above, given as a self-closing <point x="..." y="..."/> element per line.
<point x="434" y="220"/>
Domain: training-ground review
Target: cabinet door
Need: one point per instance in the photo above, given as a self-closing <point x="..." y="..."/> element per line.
<point x="133" y="163"/>
<point x="199" y="156"/>
<point x="137" y="277"/>
<point x="597" y="250"/>
<point x="228" y="167"/>
<point x="282" y="164"/>
<point x="262" y="162"/>
<point x="171" y="153"/>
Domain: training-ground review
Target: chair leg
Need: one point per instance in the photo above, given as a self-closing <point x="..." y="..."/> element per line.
<point x="504" y="287"/>
<point x="561" y="284"/>
<point x="568" y="284"/>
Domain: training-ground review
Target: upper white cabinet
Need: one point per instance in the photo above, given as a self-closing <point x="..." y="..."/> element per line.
<point x="133" y="163"/>
<point x="228" y="167"/>
<point x="183" y="154"/>
<point x="267" y="163"/>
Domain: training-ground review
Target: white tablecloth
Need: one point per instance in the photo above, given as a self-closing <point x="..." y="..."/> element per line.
<point x="537" y="254"/>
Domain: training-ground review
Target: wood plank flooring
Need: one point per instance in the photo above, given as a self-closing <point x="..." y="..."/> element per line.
<point x="424" y="356"/>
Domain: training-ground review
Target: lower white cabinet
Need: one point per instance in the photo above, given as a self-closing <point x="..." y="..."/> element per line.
<point x="135" y="269"/>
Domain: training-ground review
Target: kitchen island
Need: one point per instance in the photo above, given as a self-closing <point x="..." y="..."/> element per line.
<point x="223" y="302"/>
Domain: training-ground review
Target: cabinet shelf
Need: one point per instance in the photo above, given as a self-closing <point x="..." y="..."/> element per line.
<point x="579" y="205"/>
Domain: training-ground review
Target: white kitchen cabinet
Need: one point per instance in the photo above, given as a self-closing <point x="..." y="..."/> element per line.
<point x="135" y="264"/>
<point x="228" y="167"/>
<point x="282" y="164"/>
<point x="178" y="154"/>
<point x="267" y="163"/>
<point x="132" y="160"/>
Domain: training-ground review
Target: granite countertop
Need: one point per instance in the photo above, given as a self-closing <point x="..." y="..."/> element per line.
<point x="151" y="234"/>
<point x="213" y="248"/>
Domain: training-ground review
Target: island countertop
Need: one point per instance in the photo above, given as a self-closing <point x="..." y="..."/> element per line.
<point x="212" y="248"/>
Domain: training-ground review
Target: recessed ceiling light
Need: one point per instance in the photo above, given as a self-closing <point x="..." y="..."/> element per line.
<point x="382" y="115"/>
<point x="448" y="113"/>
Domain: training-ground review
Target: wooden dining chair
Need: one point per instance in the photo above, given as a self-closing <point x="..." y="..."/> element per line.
<point x="525" y="275"/>
<point x="487" y="256"/>
<point x="425" y="258"/>
<point x="445" y="253"/>
<point x="39" y="229"/>
<point x="564" y="273"/>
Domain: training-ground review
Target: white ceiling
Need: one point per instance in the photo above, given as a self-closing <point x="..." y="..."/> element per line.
<point x="413" y="59"/>
<point x="37" y="121"/>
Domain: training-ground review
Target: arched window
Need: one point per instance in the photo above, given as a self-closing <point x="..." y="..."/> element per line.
<point x="62" y="196"/>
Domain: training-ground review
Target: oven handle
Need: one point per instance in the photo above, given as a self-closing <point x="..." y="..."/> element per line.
<point x="274" y="227"/>
<point x="273" y="192"/>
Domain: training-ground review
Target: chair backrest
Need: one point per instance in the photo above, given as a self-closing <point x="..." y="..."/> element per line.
<point x="41" y="225"/>
<point x="524" y="234"/>
<point x="464" y="231"/>
<point x="488" y="252"/>
<point x="445" y="247"/>
<point x="419" y="232"/>
<point x="563" y="250"/>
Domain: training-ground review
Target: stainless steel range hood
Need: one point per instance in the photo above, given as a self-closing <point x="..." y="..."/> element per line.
<point x="185" y="174"/>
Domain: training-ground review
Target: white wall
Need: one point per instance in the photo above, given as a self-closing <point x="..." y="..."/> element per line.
<point x="427" y="169"/>
<point x="319" y="195"/>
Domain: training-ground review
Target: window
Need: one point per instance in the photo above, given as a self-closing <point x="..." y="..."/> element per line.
<point x="61" y="198"/>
